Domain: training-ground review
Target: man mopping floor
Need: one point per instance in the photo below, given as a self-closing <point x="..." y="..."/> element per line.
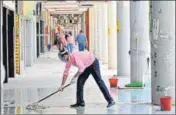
<point x="87" y="64"/>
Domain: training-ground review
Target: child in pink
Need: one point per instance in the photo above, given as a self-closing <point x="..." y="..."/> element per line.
<point x="63" y="41"/>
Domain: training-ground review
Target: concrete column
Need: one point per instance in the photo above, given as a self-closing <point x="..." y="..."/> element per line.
<point x="95" y="31"/>
<point x="35" y="40"/>
<point x="82" y="22"/>
<point x="123" y="38"/>
<point x="105" y="33"/>
<point x="163" y="49"/>
<point x="112" y="38"/>
<point x="139" y="23"/>
<point x="99" y="29"/>
<point x="90" y="29"/>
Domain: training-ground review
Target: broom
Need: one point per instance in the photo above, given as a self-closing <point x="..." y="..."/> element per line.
<point x="35" y="105"/>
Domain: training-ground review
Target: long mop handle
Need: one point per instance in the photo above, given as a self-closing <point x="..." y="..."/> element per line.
<point x="53" y="93"/>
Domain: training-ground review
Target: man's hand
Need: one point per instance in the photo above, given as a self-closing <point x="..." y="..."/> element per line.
<point x="61" y="88"/>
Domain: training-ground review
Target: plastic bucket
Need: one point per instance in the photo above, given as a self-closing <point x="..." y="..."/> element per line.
<point x="165" y="103"/>
<point x="113" y="82"/>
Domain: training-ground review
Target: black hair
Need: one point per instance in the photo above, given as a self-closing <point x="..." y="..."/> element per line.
<point x="66" y="53"/>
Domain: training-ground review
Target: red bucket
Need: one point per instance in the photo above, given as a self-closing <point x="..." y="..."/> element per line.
<point x="166" y="103"/>
<point x="113" y="82"/>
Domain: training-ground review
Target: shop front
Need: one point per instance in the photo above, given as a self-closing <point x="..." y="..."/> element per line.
<point x="8" y="46"/>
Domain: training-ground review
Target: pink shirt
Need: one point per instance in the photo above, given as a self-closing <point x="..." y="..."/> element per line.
<point x="81" y="60"/>
<point x="63" y="40"/>
<point x="70" y="40"/>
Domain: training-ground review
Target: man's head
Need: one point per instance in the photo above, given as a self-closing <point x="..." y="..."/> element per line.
<point x="63" y="55"/>
<point x="81" y="31"/>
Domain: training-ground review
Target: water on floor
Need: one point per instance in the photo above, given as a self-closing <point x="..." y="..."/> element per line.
<point x="127" y="102"/>
<point x="45" y="77"/>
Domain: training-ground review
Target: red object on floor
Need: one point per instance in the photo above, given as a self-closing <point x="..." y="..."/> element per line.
<point x="113" y="82"/>
<point x="165" y="103"/>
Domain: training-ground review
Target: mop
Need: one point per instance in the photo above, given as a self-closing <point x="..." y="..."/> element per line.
<point x="35" y="106"/>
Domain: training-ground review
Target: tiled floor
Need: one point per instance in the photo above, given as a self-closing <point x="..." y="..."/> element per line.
<point x="45" y="77"/>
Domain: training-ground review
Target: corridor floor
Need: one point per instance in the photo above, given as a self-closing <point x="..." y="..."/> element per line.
<point x="45" y="77"/>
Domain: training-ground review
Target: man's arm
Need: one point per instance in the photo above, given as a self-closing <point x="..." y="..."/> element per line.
<point x="67" y="68"/>
<point x="64" y="80"/>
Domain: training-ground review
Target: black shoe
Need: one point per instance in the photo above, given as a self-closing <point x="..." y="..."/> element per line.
<point x="111" y="104"/>
<point x="77" y="105"/>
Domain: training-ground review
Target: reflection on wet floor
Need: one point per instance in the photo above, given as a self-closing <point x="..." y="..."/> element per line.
<point x="45" y="76"/>
<point x="16" y="99"/>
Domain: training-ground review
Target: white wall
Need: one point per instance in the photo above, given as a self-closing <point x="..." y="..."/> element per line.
<point x="9" y="4"/>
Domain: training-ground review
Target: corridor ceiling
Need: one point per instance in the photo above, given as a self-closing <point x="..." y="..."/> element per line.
<point x="68" y="11"/>
<point x="68" y="7"/>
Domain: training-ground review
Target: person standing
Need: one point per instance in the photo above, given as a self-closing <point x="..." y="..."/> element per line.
<point x="87" y="64"/>
<point x="70" y="42"/>
<point x="63" y="42"/>
<point x="82" y="41"/>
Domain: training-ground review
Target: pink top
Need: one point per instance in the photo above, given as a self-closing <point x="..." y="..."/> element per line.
<point x="81" y="60"/>
<point x="70" y="40"/>
<point x="63" y="40"/>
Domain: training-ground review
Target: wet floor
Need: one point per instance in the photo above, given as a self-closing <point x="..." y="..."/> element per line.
<point x="127" y="101"/>
<point x="45" y="77"/>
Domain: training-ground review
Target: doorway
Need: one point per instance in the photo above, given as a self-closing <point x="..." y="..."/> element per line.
<point x="11" y="44"/>
<point x="8" y="43"/>
<point x="42" y="47"/>
<point x="38" y="45"/>
<point x="5" y="44"/>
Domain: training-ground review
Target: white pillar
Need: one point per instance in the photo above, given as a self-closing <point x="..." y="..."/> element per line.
<point x="139" y="17"/>
<point x="105" y="34"/>
<point x="123" y="38"/>
<point x="95" y="32"/>
<point x="35" y="39"/>
<point x="112" y="39"/>
<point x="99" y="31"/>
<point x="91" y="29"/>
<point x="163" y="49"/>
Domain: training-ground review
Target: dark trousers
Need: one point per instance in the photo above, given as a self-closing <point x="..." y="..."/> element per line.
<point x="94" y="69"/>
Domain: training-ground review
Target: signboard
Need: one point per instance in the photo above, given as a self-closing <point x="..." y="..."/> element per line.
<point x="17" y="46"/>
<point x="28" y="7"/>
